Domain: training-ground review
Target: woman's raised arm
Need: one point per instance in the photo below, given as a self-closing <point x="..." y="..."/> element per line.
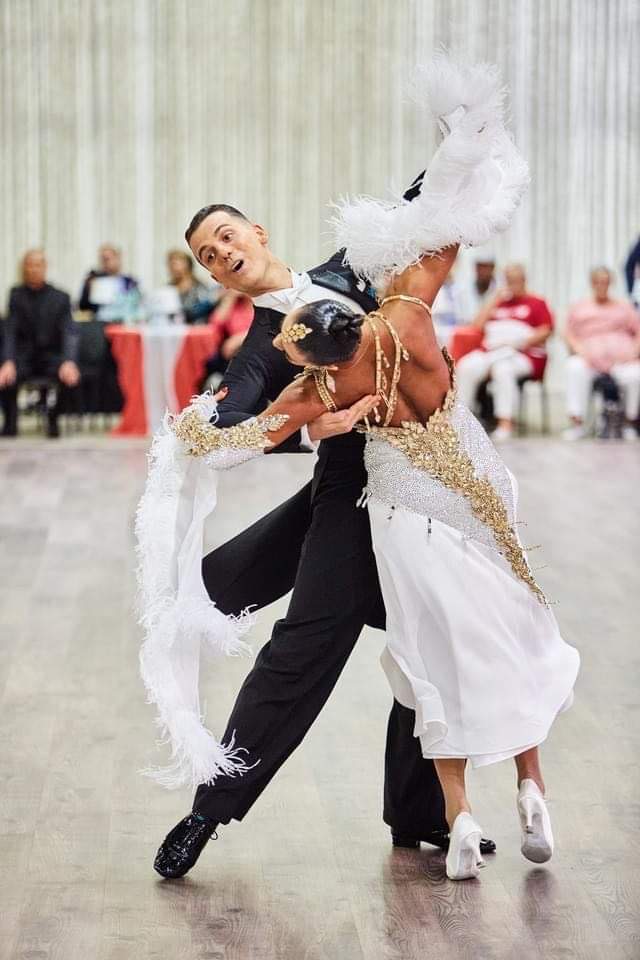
<point x="424" y="279"/>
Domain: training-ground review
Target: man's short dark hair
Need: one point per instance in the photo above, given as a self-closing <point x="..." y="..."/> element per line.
<point x="205" y="212"/>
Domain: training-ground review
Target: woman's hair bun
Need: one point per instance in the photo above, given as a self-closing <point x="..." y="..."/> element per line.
<point x="344" y="323"/>
<point x="334" y="331"/>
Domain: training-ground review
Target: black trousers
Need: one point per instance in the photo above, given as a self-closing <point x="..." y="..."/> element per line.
<point x="319" y="543"/>
<point x="44" y="368"/>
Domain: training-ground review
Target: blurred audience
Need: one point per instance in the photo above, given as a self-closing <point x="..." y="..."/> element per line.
<point x="632" y="273"/>
<point x="106" y="288"/>
<point x="515" y="325"/>
<point x="40" y="342"/>
<point x="603" y="335"/>
<point x="447" y="310"/>
<point x="197" y="300"/>
<point x="230" y="322"/>
<point x="473" y="296"/>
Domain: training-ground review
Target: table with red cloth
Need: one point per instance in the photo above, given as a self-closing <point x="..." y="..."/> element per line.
<point x="159" y="368"/>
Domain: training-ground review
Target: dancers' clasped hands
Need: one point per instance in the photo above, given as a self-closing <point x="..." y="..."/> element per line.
<point x="330" y="424"/>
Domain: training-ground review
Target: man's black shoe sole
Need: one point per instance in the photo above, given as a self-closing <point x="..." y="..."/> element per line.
<point x="411" y="843"/>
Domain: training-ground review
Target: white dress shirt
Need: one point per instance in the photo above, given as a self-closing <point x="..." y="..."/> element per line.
<point x="301" y="291"/>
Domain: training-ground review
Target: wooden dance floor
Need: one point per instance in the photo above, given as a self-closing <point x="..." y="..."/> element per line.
<point x="310" y="874"/>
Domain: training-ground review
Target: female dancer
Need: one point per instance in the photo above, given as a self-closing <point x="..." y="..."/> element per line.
<point x="472" y="646"/>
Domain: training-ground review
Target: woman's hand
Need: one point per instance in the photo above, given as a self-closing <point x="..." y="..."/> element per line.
<point x="343" y="421"/>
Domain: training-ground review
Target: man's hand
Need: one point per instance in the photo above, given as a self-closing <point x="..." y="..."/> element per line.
<point x="69" y="373"/>
<point x="333" y="424"/>
<point x="7" y="374"/>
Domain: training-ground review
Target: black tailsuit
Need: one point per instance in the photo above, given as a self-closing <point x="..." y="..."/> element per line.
<point x="318" y="543"/>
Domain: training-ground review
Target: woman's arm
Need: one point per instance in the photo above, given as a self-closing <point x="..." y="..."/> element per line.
<point x="424" y="279"/>
<point x="225" y="447"/>
<point x="485" y="313"/>
<point x="300" y="401"/>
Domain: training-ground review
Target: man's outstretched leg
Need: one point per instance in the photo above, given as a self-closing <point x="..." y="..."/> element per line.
<point x="336" y="585"/>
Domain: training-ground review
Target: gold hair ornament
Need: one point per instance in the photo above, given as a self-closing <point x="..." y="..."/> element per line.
<point x="294" y="333"/>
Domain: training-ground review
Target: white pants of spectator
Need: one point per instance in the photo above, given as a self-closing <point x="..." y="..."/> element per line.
<point x="505" y="366"/>
<point x="580" y="377"/>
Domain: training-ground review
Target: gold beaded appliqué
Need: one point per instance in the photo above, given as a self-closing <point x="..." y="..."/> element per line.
<point x="201" y="437"/>
<point x="435" y="448"/>
<point x="324" y="382"/>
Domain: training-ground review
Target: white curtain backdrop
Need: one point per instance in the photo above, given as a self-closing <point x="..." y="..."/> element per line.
<point x="120" y="119"/>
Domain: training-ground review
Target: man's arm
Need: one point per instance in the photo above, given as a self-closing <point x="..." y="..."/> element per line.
<point x="630" y="266"/>
<point x="485" y="313"/>
<point x="257" y="371"/>
<point x="543" y="329"/>
<point x="69" y="329"/>
<point x="245" y="380"/>
<point x="8" y="367"/>
<point x="10" y="328"/>
<point x="68" y="370"/>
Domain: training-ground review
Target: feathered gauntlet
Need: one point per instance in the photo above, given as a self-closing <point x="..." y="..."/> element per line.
<point x="178" y="618"/>
<point x="470" y="191"/>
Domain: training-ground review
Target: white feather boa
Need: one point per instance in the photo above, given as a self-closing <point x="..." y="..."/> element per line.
<point x="471" y="188"/>
<point x="178" y="618"/>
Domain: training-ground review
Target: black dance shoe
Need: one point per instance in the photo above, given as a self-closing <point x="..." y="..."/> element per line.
<point x="183" y="846"/>
<point x="437" y="838"/>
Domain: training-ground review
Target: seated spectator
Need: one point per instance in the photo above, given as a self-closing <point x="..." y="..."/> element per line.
<point x="447" y="310"/>
<point x="40" y="341"/>
<point x="230" y="322"/>
<point x="475" y="295"/>
<point x="603" y="335"/>
<point x="197" y="300"/>
<point x="515" y="325"/>
<point x="105" y="291"/>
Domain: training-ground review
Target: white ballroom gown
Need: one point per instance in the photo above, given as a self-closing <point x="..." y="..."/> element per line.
<point x="471" y="645"/>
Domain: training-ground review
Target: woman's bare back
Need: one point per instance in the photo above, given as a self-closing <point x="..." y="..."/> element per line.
<point x="424" y="377"/>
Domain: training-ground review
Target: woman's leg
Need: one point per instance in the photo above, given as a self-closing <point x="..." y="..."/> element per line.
<point x="463" y="857"/>
<point x="537" y="835"/>
<point x="451" y="777"/>
<point x="528" y="767"/>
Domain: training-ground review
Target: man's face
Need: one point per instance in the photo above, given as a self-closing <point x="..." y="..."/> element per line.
<point x="34" y="270"/>
<point x="233" y="251"/>
<point x="109" y="260"/>
<point x="515" y="281"/>
<point x="600" y="282"/>
<point x="484" y="272"/>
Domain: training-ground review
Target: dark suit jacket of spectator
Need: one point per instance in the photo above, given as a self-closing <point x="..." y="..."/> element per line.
<point x="39" y="325"/>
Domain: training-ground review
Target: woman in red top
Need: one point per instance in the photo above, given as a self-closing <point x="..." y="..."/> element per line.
<point x="516" y="325"/>
<point x="229" y="322"/>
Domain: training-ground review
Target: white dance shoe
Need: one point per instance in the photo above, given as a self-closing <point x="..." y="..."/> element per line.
<point x="537" y="838"/>
<point x="464" y="859"/>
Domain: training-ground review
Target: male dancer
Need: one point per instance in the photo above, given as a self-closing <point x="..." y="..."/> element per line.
<point x="317" y="542"/>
